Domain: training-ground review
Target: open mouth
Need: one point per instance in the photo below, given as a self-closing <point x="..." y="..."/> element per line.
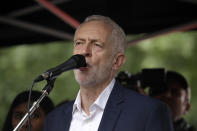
<point x="84" y="68"/>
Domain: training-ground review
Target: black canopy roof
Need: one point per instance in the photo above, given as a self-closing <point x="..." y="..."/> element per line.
<point x="28" y="21"/>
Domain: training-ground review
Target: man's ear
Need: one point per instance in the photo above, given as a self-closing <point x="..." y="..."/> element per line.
<point x="187" y="99"/>
<point x="119" y="60"/>
<point x="187" y="108"/>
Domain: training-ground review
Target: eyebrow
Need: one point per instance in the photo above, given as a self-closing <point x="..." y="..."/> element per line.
<point x="81" y="39"/>
<point x="92" y="40"/>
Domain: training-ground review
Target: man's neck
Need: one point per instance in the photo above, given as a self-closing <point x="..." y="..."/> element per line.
<point x="90" y="94"/>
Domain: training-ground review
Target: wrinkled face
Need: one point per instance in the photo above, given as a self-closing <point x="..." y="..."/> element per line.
<point x="37" y="119"/>
<point x="176" y="98"/>
<point x="92" y="41"/>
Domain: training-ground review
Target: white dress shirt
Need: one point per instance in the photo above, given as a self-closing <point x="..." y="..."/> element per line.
<point x="81" y="121"/>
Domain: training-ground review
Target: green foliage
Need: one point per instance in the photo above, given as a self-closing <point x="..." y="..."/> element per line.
<point x="19" y="66"/>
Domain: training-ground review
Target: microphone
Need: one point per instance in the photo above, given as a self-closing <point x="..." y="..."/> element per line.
<point x="76" y="61"/>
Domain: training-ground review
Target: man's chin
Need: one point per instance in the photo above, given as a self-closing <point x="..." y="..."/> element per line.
<point x="80" y="79"/>
<point x="85" y="82"/>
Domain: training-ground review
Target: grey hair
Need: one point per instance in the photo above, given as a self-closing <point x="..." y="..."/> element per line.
<point x="118" y="36"/>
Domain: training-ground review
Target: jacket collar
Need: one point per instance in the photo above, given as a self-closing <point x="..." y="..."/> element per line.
<point x="67" y="117"/>
<point x="111" y="113"/>
<point x="112" y="110"/>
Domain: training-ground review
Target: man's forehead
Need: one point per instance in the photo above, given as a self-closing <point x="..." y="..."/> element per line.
<point x="92" y="31"/>
<point x="176" y="86"/>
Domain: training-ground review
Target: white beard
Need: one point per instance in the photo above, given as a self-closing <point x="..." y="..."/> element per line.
<point x="94" y="76"/>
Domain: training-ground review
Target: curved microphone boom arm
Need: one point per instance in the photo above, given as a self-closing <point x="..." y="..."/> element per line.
<point x="50" y="75"/>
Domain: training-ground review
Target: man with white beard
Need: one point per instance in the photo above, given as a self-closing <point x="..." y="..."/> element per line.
<point x="102" y="104"/>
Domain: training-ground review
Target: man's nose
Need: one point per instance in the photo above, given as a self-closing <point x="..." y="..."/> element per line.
<point x="86" y="51"/>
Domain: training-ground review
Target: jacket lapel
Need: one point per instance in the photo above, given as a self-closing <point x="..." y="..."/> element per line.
<point x="67" y="117"/>
<point x="112" y="110"/>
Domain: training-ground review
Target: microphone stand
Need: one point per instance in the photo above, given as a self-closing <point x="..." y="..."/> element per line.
<point x="45" y="92"/>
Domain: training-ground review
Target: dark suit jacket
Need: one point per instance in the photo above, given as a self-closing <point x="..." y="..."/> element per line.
<point x="126" y="110"/>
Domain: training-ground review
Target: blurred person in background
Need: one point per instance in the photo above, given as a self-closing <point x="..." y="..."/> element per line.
<point x="177" y="96"/>
<point x="168" y="86"/>
<point x="19" y="108"/>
